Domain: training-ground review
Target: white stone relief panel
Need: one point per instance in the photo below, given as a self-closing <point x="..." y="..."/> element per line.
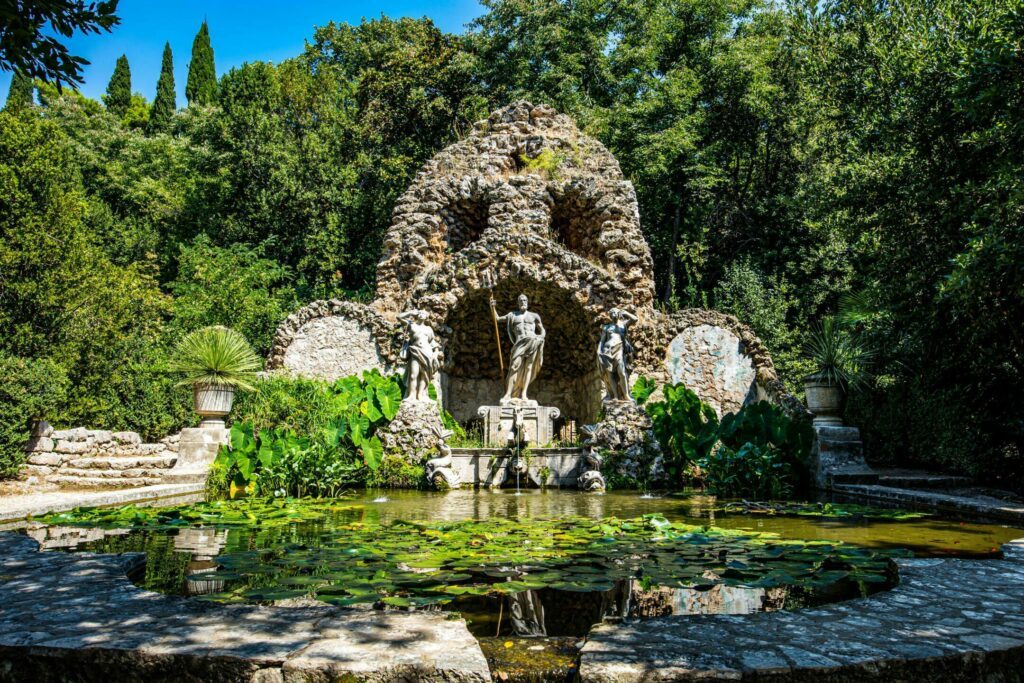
<point x="710" y="362"/>
<point x="332" y="347"/>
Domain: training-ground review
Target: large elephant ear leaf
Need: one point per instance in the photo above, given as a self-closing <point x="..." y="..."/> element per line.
<point x="358" y="426"/>
<point x="373" y="452"/>
<point x="389" y="396"/>
<point x="369" y="406"/>
<point x="642" y="389"/>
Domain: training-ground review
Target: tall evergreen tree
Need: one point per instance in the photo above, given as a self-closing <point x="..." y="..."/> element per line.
<point x="119" y="91"/>
<point x="21" y="93"/>
<point x="201" y="87"/>
<point x="164" y="104"/>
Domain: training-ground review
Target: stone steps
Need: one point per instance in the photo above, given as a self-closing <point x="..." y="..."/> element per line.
<point x="133" y="473"/>
<point x="918" y="479"/>
<point x="122" y="462"/>
<point x="76" y="481"/>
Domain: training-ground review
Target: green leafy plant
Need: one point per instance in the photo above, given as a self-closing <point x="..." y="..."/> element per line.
<point x="215" y="356"/>
<point x="642" y="389"/>
<point x="751" y="470"/>
<point x="686" y="428"/>
<point x="840" y="355"/>
<point x="302" y="437"/>
<point x="767" y="427"/>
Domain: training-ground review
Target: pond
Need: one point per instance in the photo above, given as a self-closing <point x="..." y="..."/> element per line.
<point x="535" y="564"/>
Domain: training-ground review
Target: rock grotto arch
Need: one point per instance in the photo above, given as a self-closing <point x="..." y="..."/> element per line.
<point x="527" y="203"/>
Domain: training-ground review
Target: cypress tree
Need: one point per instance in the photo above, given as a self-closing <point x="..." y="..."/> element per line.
<point x="201" y="87"/>
<point x="119" y="90"/>
<point x="164" y="104"/>
<point x="21" y="94"/>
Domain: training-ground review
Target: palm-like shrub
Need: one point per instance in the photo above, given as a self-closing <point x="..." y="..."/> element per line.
<point x="215" y="356"/>
<point x="841" y="356"/>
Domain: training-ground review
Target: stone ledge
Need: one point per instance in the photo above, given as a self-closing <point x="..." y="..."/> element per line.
<point x="948" y="620"/>
<point x="16" y="508"/>
<point x="971" y="506"/>
<point x="106" y="628"/>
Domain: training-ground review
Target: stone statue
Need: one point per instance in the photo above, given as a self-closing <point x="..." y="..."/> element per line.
<point x="527" y="334"/>
<point x="615" y="355"/>
<point x="421" y="354"/>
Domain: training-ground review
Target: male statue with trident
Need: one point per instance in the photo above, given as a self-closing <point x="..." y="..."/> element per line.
<point x="527" y="334"/>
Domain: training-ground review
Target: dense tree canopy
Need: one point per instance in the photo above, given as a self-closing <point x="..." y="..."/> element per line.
<point x="786" y="157"/>
<point x="165" y="102"/>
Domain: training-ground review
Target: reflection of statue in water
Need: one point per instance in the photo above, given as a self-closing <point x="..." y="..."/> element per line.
<point x="615" y="354"/>
<point x="527" y="334"/>
<point x="421" y="355"/>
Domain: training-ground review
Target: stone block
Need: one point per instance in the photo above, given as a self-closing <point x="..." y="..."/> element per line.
<point x="72" y="447"/>
<point x="48" y="459"/>
<point x="198" y="448"/>
<point x="76" y="434"/>
<point x="537" y="424"/>
<point x="101" y="436"/>
<point x="39" y="444"/>
<point x="127" y="438"/>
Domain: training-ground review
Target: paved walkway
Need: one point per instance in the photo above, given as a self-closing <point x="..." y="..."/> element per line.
<point x="76" y="617"/>
<point x="15" y="508"/>
<point x="947" y="620"/>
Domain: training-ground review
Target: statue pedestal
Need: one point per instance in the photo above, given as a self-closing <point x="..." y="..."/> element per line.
<point x="537" y="424"/>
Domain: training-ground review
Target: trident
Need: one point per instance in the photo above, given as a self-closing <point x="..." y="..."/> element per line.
<point x="489" y="284"/>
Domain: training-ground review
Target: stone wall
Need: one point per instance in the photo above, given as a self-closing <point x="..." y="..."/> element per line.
<point x="332" y="339"/>
<point x="99" y="458"/>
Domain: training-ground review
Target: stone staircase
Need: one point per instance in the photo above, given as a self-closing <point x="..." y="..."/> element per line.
<point x="96" y="458"/>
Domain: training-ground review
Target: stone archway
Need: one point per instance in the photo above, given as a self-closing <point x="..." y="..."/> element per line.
<point x="569" y="379"/>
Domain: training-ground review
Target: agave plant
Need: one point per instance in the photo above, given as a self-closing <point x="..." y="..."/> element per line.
<point x="215" y="356"/>
<point x="840" y="355"/>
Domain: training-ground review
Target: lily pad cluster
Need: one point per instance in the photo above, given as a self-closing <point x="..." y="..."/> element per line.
<point x="282" y="551"/>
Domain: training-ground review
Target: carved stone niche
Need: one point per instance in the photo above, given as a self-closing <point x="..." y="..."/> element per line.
<point x="537" y="427"/>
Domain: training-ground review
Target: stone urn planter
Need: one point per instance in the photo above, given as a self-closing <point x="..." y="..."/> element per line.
<point x="212" y="402"/>
<point x="825" y="399"/>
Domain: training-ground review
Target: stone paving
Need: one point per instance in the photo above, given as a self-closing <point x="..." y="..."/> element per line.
<point x="948" y="620"/>
<point x="76" y="617"/>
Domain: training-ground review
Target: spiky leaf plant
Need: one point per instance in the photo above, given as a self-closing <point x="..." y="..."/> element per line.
<point x="215" y="356"/>
<point x="840" y="355"/>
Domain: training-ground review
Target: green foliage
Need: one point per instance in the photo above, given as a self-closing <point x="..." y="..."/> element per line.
<point x="767" y="426"/>
<point x="30" y="44"/>
<point x="396" y="472"/>
<point x="215" y="356"/>
<point x="305" y="437"/>
<point x="686" y="428"/>
<point x="232" y="286"/>
<point x="21" y="94"/>
<point x="30" y="390"/>
<point x="840" y="356"/>
<point x="642" y="389"/>
<point x="547" y="164"/>
<point x="119" y="90"/>
<point x="751" y="470"/>
<point x="412" y="563"/>
<point x="201" y="86"/>
<point x="165" y="103"/>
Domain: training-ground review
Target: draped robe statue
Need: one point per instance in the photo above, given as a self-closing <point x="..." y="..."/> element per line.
<point x="527" y="333"/>
<point x="421" y="354"/>
<point x="615" y="355"/>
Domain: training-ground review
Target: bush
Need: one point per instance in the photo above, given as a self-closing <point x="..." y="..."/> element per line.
<point x="303" y="437"/>
<point x="395" y="472"/>
<point x="686" y="428"/>
<point x="30" y="390"/>
<point x="750" y="471"/>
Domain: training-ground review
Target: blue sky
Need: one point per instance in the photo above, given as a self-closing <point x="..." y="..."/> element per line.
<point x="240" y="30"/>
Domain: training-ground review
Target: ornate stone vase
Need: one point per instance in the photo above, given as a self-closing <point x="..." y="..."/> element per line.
<point x="825" y="399"/>
<point x="212" y="402"/>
